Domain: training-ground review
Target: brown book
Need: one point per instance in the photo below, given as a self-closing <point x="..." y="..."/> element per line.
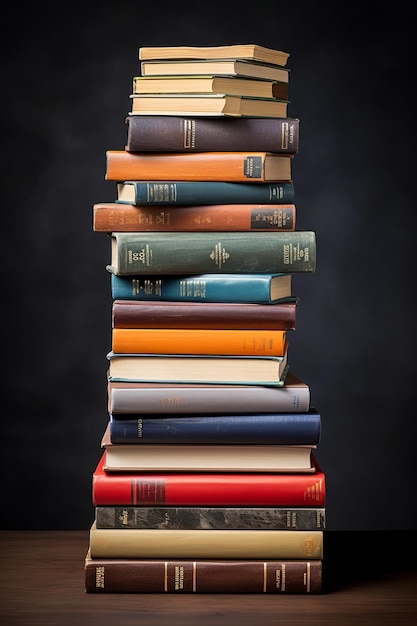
<point x="224" y="67"/>
<point x="246" y="51"/>
<point x="210" y="84"/>
<point x="203" y="315"/>
<point x="238" y="576"/>
<point x="216" y="166"/>
<point x="115" y="216"/>
<point x="207" y="104"/>
<point x="170" y="133"/>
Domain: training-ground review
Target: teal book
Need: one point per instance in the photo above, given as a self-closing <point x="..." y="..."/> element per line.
<point x="249" y="288"/>
<point x="202" y="192"/>
<point x="216" y="252"/>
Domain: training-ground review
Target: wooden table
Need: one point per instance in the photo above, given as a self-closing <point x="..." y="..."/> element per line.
<point x="370" y="579"/>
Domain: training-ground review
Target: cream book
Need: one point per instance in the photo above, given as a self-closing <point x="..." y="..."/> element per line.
<point x="246" y="51"/>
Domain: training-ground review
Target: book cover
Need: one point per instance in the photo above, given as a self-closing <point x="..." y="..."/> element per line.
<point x="220" y="252"/>
<point x="254" y="167"/>
<point x="198" y="575"/>
<point x="213" y="428"/>
<point x="146" y="398"/>
<point x="206" y="287"/>
<point x="207" y="315"/>
<point x="247" y="51"/>
<point x="117" y="216"/>
<point x="183" y="192"/>
<point x="159" y="133"/>
<point x="142" y="543"/>
<point x="241" y="341"/>
<point x="204" y="518"/>
<point x="191" y="368"/>
<point x="224" y="67"/>
<point x="208" y="488"/>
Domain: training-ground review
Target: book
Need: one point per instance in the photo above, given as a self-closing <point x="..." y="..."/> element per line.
<point x="204" y="192"/>
<point x="208" y="488"/>
<point x="264" y="167"/>
<point x="138" y="543"/>
<point x="207" y="315"/>
<point x="113" y="216"/>
<point x="239" y="576"/>
<point x="168" y="133"/>
<point x="215" y="341"/>
<point x="223" y="67"/>
<point x="210" y="84"/>
<point x="248" y="51"/>
<point x="230" y="288"/>
<point x="142" y="398"/>
<point x="207" y="104"/>
<point x="216" y="428"/>
<point x="200" y="457"/>
<point x="219" y="252"/>
<point x="191" y="368"/>
<point x="197" y="518"/>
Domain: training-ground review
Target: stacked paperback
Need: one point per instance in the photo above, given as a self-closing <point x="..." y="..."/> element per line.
<point x="208" y="480"/>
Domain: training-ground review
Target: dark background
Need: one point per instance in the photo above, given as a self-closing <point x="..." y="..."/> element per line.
<point x="66" y="79"/>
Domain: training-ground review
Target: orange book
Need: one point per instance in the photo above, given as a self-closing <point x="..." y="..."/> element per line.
<point x="239" y="342"/>
<point x="122" y="165"/>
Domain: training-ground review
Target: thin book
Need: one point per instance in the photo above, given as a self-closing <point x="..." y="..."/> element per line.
<point x="224" y="67"/>
<point x="247" y="51"/>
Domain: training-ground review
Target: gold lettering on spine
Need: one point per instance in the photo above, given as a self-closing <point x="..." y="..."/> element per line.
<point x="194" y="576"/>
<point x="165" y="576"/>
<point x="308" y="577"/>
<point x="265" y="577"/>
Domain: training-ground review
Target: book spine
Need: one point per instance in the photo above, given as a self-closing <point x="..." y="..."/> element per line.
<point x="209" y="193"/>
<point x="218" y="518"/>
<point x="114" y="217"/>
<point x="199" y="341"/>
<point x="194" y="399"/>
<point x="207" y="166"/>
<point x="193" y="288"/>
<point x="181" y="253"/>
<point x="202" y="576"/>
<point x="209" y="489"/>
<point x="130" y="314"/>
<point x="279" y="428"/>
<point x="219" y="544"/>
<point x="193" y="134"/>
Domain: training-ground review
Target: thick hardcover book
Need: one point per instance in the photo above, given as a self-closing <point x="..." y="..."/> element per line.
<point x="145" y="543"/>
<point x="207" y="315"/>
<point x="201" y="457"/>
<point x="153" y="133"/>
<point x="224" y="67"/>
<point x="247" y="166"/>
<point x="193" y="368"/>
<point x="210" y="84"/>
<point x="215" y="104"/>
<point x="117" y="216"/>
<point x="200" y="518"/>
<point x="208" y="488"/>
<point x="239" y="576"/>
<point x="230" y="288"/>
<point x="192" y="399"/>
<point x="246" y="51"/>
<point x="220" y="252"/>
<point x="213" y="428"/>
<point x="242" y="341"/>
<point x="203" y="192"/>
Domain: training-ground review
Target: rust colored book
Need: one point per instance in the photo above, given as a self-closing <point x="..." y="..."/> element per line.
<point x="210" y="84"/>
<point x="203" y="315"/>
<point x="207" y="104"/>
<point x="129" y="397"/>
<point x="208" y="488"/>
<point x="246" y="51"/>
<point x="242" y="341"/>
<point x="224" y="67"/>
<point x="237" y="576"/>
<point x="113" y="217"/>
<point x="168" y="133"/>
<point x="199" y="166"/>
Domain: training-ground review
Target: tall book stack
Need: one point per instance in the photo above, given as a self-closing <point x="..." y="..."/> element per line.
<point x="208" y="480"/>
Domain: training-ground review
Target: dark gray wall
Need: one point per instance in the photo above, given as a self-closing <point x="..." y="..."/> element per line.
<point x="66" y="82"/>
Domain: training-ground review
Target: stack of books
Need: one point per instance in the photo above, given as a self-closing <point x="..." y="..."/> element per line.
<point x="208" y="479"/>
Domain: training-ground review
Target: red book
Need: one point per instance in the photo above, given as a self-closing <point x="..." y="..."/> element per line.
<point x="207" y="489"/>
